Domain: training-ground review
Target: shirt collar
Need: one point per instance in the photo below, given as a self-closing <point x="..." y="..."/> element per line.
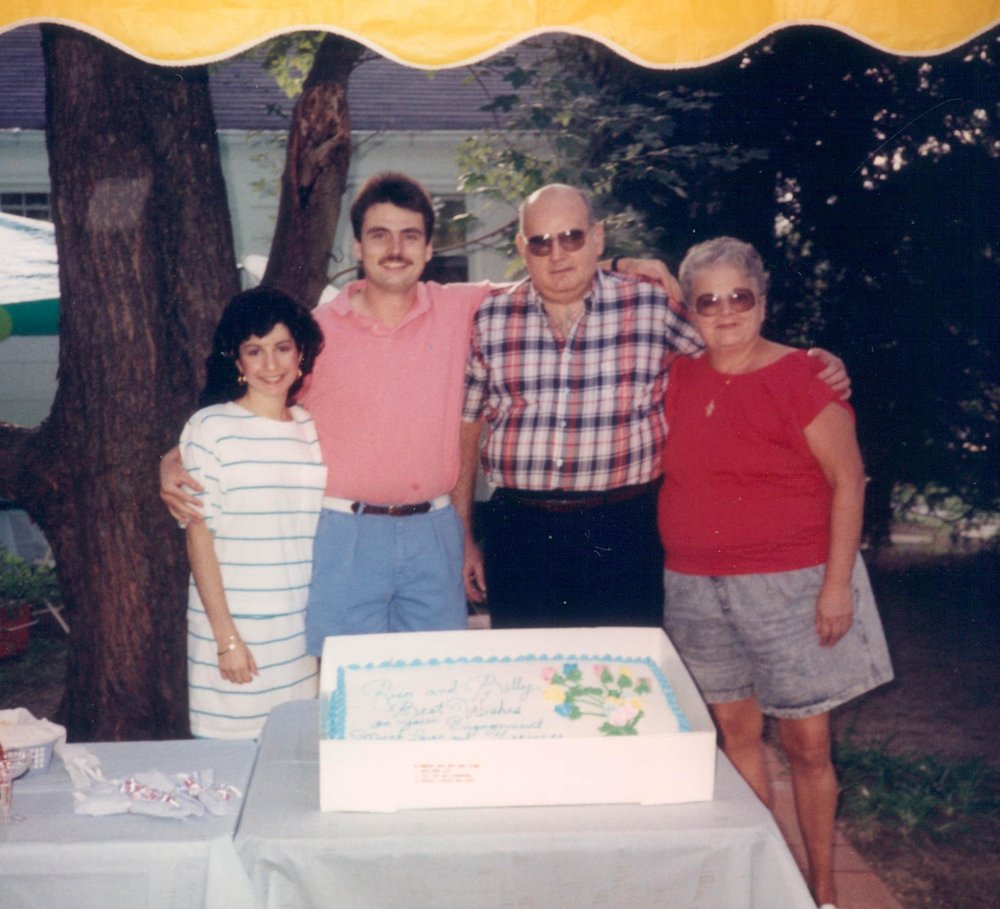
<point x="591" y="299"/>
<point x="341" y="304"/>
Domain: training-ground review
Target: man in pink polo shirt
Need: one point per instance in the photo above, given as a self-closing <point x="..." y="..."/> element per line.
<point x="386" y="395"/>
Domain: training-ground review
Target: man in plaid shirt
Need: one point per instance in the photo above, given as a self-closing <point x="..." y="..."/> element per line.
<point x="567" y="373"/>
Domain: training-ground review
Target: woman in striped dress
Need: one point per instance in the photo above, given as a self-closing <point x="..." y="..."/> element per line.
<point x="258" y="458"/>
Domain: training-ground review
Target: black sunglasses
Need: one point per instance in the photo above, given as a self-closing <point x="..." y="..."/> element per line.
<point x="740" y="299"/>
<point x="568" y="240"/>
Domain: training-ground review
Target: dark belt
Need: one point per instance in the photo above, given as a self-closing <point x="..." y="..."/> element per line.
<point x="562" y="502"/>
<point x="397" y="511"/>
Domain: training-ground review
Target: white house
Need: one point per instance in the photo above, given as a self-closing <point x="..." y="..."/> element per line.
<point x="402" y="119"/>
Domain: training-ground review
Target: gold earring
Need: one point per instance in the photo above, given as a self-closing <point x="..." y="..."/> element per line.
<point x="242" y="379"/>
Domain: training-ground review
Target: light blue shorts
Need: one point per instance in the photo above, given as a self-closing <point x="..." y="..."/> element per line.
<point x="377" y="573"/>
<point x="755" y="634"/>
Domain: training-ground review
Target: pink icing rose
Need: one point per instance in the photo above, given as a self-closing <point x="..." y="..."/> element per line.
<point x="622" y="715"/>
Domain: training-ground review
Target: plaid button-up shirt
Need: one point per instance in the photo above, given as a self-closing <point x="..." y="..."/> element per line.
<point x="584" y="414"/>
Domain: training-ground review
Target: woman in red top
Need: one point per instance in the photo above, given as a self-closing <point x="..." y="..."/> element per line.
<point x="767" y="599"/>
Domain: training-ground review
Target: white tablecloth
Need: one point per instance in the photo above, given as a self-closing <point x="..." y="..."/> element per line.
<point x="56" y="858"/>
<point x="723" y="854"/>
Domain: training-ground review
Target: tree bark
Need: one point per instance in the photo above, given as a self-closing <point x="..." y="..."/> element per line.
<point x="146" y="261"/>
<point x="316" y="162"/>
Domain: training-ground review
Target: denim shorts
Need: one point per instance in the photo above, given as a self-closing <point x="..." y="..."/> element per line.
<point x="755" y="634"/>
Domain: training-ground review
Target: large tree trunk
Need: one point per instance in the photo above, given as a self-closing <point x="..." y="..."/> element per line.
<point x="146" y="261"/>
<point x="315" y="176"/>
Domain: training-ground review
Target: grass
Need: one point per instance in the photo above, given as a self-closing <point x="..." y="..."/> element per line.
<point x="928" y="826"/>
<point x="912" y="796"/>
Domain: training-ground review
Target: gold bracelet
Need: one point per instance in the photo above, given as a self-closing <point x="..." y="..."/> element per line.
<point x="234" y="642"/>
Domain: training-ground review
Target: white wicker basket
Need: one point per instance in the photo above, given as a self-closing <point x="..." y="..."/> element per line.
<point x="40" y="756"/>
<point x="22" y="733"/>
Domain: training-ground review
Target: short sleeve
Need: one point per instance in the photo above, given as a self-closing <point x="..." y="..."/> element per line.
<point x="682" y="337"/>
<point x="808" y="394"/>
<point x="199" y="453"/>
<point x="476" y="377"/>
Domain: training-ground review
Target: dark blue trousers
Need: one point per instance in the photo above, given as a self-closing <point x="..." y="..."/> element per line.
<point x="573" y="566"/>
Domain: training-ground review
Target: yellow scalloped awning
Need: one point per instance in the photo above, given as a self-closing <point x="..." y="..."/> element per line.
<point x="441" y="33"/>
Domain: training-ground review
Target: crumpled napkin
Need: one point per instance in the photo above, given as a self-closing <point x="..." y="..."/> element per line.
<point x="19" y="728"/>
<point x="155" y="793"/>
<point x="82" y="765"/>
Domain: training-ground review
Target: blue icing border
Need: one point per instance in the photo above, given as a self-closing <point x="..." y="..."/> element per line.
<point x="336" y="717"/>
<point x="338" y="709"/>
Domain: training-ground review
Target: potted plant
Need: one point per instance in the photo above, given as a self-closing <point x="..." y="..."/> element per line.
<point x="22" y="587"/>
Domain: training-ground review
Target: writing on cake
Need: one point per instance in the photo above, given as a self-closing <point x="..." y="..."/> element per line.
<point x="526" y="697"/>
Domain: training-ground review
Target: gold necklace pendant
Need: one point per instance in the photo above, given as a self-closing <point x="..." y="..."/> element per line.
<point x="710" y="409"/>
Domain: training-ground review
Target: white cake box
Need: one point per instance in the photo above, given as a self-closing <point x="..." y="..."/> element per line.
<point x="388" y="775"/>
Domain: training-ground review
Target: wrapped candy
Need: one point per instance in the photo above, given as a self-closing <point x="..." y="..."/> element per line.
<point x="158" y="795"/>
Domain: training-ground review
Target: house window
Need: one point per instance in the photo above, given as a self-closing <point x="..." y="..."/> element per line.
<point x="449" y="233"/>
<point x="27" y="205"/>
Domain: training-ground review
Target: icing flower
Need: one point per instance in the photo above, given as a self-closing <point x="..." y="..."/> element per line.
<point x="554" y="694"/>
<point x="622" y="715"/>
<point x="574" y="698"/>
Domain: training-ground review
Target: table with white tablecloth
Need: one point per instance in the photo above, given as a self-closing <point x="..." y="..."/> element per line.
<point x="725" y="854"/>
<point x="57" y="858"/>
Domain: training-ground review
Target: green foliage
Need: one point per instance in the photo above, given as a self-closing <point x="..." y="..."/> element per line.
<point x="288" y="58"/>
<point x="912" y="795"/>
<point x="570" y="119"/>
<point x="22" y="582"/>
<point x="937" y="507"/>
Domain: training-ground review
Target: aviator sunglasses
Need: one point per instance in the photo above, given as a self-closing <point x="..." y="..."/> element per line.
<point x="740" y="299"/>
<point x="568" y="240"/>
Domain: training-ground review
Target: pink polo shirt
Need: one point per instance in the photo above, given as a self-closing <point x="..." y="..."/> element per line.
<point x="388" y="401"/>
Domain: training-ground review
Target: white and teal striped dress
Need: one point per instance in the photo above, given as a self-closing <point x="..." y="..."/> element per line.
<point x="264" y="481"/>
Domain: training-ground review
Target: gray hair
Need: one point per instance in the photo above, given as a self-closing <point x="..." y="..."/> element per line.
<point x="723" y="251"/>
<point x="580" y="194"/>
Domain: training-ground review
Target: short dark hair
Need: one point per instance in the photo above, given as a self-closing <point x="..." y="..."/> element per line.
<point x="255" y="313"/>
<point x="396" y="189"/>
